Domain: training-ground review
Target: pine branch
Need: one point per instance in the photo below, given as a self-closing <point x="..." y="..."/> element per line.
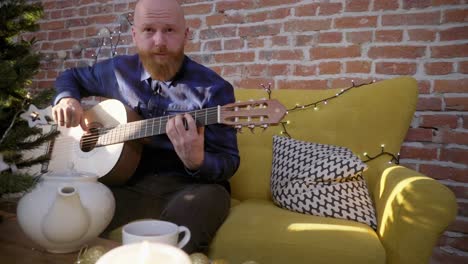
<point x="32" y="144"/>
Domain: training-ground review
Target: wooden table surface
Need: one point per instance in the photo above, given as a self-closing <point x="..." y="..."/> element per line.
<point x="17" y="248"/>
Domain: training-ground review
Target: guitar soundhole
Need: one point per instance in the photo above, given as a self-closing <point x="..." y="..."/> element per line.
<point x="89" y="140"/>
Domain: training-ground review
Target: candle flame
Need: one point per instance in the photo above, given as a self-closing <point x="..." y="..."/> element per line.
<point x="144" y="253"/>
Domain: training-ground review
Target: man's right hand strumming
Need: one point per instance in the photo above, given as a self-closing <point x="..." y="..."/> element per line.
<point x="69" y="112"/>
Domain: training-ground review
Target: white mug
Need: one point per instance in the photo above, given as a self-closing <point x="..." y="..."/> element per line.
<point x="155" y="231"/>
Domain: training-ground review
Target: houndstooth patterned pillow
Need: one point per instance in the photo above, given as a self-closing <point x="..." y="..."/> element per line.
<point x="322" y="180"/>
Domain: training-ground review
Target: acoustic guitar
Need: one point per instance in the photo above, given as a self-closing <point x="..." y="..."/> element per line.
<point x="111" y="150"/>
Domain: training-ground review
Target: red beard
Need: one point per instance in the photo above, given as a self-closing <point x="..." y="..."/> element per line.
<point x="162" y="68"/>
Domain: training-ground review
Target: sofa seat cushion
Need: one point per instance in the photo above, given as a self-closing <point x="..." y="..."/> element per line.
<point x="259" y="230"/>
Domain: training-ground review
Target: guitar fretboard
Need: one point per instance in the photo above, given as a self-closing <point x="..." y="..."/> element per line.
<point x="151" y="127"/>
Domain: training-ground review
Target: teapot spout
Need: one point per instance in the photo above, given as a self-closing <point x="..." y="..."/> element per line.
<point x="66" y="220"/>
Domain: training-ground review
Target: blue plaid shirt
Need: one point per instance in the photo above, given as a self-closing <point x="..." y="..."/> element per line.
<point x="194" y="87"/>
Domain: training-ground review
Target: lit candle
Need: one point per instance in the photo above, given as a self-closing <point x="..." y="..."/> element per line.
<point x="145" y="253"/>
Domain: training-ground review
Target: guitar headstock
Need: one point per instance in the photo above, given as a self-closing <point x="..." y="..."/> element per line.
<point x="251" y="114"/>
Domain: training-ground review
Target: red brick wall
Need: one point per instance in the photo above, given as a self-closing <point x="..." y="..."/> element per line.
<point x="314" y="45"/>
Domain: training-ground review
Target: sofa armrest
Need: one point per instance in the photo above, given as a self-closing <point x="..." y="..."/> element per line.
<point x="413" y="210"/>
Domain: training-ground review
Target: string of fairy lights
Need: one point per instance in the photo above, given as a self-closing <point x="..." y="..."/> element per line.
<point x="315" y="106"/>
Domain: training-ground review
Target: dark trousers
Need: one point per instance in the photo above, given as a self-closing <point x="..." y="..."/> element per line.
<point x="202" y="208"/>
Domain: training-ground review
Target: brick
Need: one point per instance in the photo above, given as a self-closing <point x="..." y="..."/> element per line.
<point x="455" y="16"/>
<point x="52" y="25"/>
<point x="424" y="86"/>
<point x="456" y="104"/>
<point x="233" y="44"/>
<point x="280" y="41"/>
<point x="214" y="45"/>
<point x="326" y="9"/>
<point x="306" y="10"/>
<point x="255" y="70"/>
<point x="307" y="25"/>
<point x="429" y="18"/>
<point x="333" y="67"/>
<point x="463" y="211"/>
<point x="460" y="224"/>
<point x="463" y="67"/>
<point x="389" y="35"/>
<point x="385" y="5"/>
<point x="235" y="5"/>
<point x="250" y="83"/>
<point x="64" y="45"/>
<point x="405" y="52"/>
<point x="265" y="3"/>
<point x="449" y="136"/>
<point x="231" y="57"/>
<point x="357" y="5"/>
<point x="266" y="15"/>
<point x="439" y="121"/>
<point x="347" y="82"/>
<point x="419" y="135"/>
<point x="194" y="23"/>
<point x="335" y="52"/>
<point x="305" y="70"/>
<point x="416" y="4"/>
<point x="438" y="68"/>
<point x="455" y="33"/>
<point x="449" y="51"/>
<point x="358" y="66"/>
<point x="302" y="84"/>
<point x="307" y="40"/>
<point x="260" y="30"/>
<point x="330" y="37"/>
<point x="443" y="257"/>
<point x="192" y="46"/>
<point x="422" y="34"/>
<point x="198" y="9"/>
<point x="76" y="22"/>
<point x="440" y="172"/>
<point x="220" y="32"/>
<point x="451" y="86"/>
<point x="455" y="155"/>
<point x="395" y="68"/>
<point x="408" y="152"/>
<point x="229" y="70"/>
<point x="356" y="22"/>
<point x="445" y="2"/>
<point x="255" y="42"/>
<point x="359" y="37"/>
<point x="465" y="121"/>
<point x="429" y="104"/>
<point x="279" y="69"/>
<point x="281" y="55"/>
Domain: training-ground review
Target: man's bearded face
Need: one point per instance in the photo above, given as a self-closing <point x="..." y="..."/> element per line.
<point x="162" y="63"/>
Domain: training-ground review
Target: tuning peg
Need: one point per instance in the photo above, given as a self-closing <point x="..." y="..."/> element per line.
<point x="264" y="126"/>
<point x="238" y="128"/>
<point x="252" y="128"/>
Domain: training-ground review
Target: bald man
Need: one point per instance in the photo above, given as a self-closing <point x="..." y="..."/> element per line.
<point x="183" y="176"/>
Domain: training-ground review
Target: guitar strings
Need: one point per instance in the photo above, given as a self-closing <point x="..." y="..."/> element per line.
<point x="119" y="132"/>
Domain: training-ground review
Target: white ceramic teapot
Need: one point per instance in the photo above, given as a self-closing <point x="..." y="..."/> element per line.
<point x="62" y="213"/>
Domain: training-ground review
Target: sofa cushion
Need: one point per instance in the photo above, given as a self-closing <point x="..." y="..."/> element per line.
<point x="259" y="230"/>
<point x="319" y="179"/>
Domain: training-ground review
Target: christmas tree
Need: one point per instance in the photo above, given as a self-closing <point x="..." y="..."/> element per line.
<point x="18" y="65"/>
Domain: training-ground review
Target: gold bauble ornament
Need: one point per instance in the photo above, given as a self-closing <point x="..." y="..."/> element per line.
<point x="199" y="258"/>
<point x="91" y="255"/>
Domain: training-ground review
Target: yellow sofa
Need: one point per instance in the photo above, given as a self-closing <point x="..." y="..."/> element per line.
<point x="412" y="209"/>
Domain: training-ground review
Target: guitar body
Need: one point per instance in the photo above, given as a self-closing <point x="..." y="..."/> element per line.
<point x="114" y="164"/>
